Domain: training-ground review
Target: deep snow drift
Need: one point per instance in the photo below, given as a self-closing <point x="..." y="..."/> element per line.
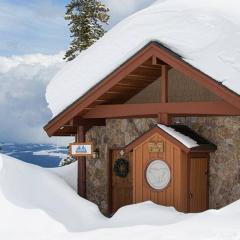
<point x="204" y="33"/>
<point x="47" y="197"/>
<point x="37" y="203"/>
<point x="32" y="199"/>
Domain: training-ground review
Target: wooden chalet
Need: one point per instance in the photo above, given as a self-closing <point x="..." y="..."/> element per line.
<point x="142" y="88"/>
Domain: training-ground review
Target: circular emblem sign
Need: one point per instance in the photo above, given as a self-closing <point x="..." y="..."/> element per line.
<point x="158" y="174"/>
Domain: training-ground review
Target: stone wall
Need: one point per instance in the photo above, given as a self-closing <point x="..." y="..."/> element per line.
<point x="224" y="163"/>
<point x="224" y="169"/>
<point x="117" y="133"/>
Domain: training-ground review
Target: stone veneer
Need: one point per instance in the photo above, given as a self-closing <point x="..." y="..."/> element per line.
<point x="224" y="163"/>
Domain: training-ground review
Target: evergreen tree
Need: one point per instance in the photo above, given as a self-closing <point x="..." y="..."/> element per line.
<point x="86" y="19"/>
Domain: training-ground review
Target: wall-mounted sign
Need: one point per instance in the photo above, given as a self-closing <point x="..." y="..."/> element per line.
<point x="156" y="147"/>
<point x="158" y="175"/>
<point x="80" y="149"/>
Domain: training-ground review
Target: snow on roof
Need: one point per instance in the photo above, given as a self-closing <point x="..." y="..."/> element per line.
<point x="185" y="140"/>
<point x="205" y="33"/>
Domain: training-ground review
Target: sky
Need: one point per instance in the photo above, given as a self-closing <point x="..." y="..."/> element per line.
<point x="33" y="38"/>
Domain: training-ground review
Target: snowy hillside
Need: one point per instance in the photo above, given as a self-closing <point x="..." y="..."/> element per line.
<point x="36" y="203"/>
<point x="44" y="155"/>
<point x="204" y="33"/>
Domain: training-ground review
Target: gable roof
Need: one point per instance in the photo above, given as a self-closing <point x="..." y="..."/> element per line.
<point x="206" y="39"/>
<point x="93" y="96"/>
<point x="181" y="135"/>
<point x="181" y="33"/>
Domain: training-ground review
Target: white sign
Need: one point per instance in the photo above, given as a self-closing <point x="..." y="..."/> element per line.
<point x="158" y="174"/>
<point x="80" y="149"/>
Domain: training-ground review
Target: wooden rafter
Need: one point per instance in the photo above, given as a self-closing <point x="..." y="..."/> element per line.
<point x="196" y="75"/>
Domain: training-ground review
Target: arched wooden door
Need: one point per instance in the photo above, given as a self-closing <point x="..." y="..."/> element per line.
<point x="120" y="189"/>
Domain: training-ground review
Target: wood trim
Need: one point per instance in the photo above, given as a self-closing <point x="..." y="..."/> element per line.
<point x="109" y="181"/>
<point x="165" y="118"/>
<point x="102" y="87"/>
<point x="81" y="143"/>
<point x="164" y="85"/>
<point x="218" y="108"/>
<point x="206" y="81"/>
<point x="150" y="50"/>
<point x="109" y="173"/>
<point x="80" y="137"/>
<point x="149" y="134"/>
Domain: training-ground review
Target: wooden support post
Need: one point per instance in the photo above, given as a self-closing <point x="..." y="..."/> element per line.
<point x="80" y="137"/>
<point x="164" y="85"/>
<point x="164" y="118"/>
<point x="154" y="60"/>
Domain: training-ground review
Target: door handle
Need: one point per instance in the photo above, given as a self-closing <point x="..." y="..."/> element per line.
<point x="190" y="195"/>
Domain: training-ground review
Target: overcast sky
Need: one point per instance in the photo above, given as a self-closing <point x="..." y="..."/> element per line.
<point x="33" y="38"/>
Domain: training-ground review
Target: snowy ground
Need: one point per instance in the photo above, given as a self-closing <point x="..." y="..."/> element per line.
<point x="38" y="203"/>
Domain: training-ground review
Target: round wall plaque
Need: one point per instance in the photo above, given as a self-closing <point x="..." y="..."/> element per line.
<point x="158" y="174"/>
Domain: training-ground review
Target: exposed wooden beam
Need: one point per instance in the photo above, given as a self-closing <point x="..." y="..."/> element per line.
<point x="124" y="86"/>
<point x="77" y="121"/>
<point x="165" y="118"/>
<point x="80" y="137"/>
<point x="157" y="62"/>
<point x="66" y="130"/>
<point x="140" y="77"/>
<point x="152" y="49"/>
<point x="220" y="108"/>
<point x="154" y="60"/>
<point x="114" y="78"/>
<point x="72" y="127"/>
<point x="150" y="67"/>
<point x="196" y="75"/>
<point x="164" y="85"/>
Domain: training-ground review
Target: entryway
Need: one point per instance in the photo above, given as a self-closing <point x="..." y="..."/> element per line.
<point x="120" y="188"/>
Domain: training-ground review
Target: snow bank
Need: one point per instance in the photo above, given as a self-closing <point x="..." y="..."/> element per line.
<point x="210" y="225"/>
<point x="37" y="204"/>
<point x="185" y="140"/>
<point x="146" y="213"/>
<point x="34" y="200"/>
<point x="205" y="33"/>
<point x="69" y="173"/>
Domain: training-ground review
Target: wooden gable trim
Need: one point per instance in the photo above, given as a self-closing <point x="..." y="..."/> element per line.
<point x="156" y="130"/>
<point x="150" y="50"/>
<point x="95" y="92"/>
<point x="195" y="74"/>
<point x="149" y="134"/>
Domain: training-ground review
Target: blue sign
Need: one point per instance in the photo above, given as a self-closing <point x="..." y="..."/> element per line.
<point x="81" y="149"/>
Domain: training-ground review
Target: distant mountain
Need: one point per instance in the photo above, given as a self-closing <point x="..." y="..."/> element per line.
<point x="44" y="155"/>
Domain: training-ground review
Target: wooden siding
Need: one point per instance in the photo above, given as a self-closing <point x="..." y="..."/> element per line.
<point x="121" y="188"/>
<point x="198" y="184"/>
<point x="176" y="192"/>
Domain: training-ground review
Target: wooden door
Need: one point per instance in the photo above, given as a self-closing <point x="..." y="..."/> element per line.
<point x="198" y="184"/>
<point x="121" y="188"/>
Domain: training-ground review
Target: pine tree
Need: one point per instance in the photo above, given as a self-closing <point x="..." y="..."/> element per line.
<point x="86" y="19"/>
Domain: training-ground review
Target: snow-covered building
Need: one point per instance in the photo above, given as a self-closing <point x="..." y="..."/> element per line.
<point x="174" y="63"/>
